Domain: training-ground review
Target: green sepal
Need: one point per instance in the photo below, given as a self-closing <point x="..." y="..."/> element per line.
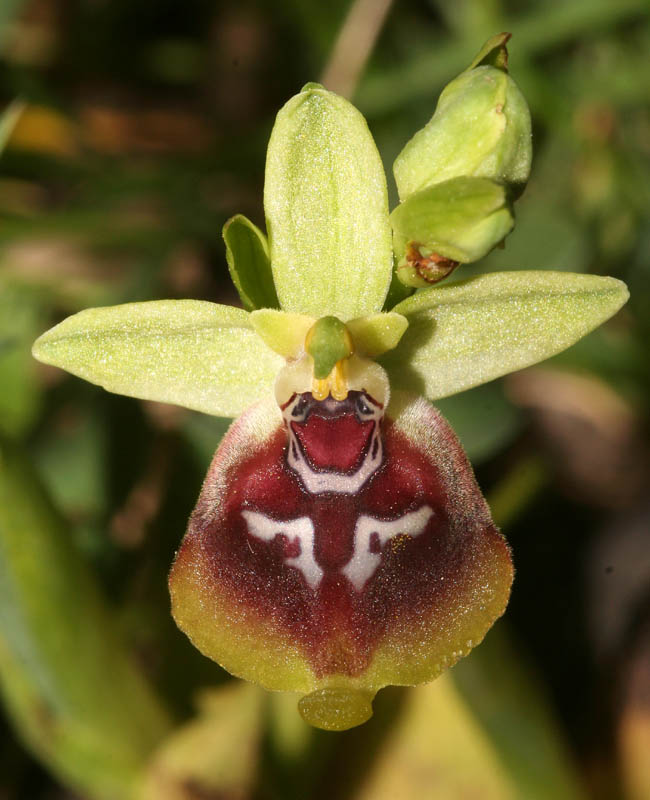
<point x="326" y="208"/>
<point x="247" y="254"/>
<point x="192" y="353"/>
<point x="461" y="219"/>
<point x="481" y="127"/>
<point x="468" y="333"/>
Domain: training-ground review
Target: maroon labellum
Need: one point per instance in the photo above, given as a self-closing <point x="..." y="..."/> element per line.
<point x="332" y="549"/>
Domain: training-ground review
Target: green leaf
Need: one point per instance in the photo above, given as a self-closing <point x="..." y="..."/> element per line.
<point x="468" y="333"/>
<point x="461" y="219"/>
<point x="247" y="253"/>
<point x="327" y="209"/>
<point x="72" y="690"/>
<point x="192" y="353"/>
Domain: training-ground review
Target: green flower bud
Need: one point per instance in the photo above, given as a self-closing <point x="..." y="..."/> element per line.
<point x="481" y="127"/>
<point x="456" y="221"/>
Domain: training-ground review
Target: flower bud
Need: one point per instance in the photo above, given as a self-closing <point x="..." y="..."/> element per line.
<point x="457" y="221"/>
<point x="481" y="127"/>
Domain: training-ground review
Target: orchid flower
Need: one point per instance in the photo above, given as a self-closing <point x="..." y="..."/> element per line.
<point x="340" y="542"/>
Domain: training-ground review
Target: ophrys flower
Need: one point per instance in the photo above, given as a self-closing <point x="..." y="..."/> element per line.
<point x="340" y="542"/>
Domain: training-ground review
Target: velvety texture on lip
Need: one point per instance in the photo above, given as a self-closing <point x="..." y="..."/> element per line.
<point x="427" y="600"/>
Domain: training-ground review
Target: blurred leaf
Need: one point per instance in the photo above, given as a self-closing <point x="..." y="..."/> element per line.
<point x="436" y="60"/>
<point x="192" y="353"/>
<point x="483" y="730"/>
<point x="247" y="252"/>
<point x="213" y="756"/>
<point x="483" y="419"/>
<point x="511" y="710"/>
<point x="470" y="332"/>
<point x="11" y="114"/>
<point x="204" y="432"/>
<point x="72" y="690"/>
<point x="71" y="458"/>
<point x="19" y="395"/>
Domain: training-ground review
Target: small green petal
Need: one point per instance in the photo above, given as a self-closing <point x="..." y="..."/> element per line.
<point x="327" y="209"/>
<point x="468" y="333"/>
<point x="247" y="253"/>
<point x="282" y="332"/>
<point x="461" y="219"/>
<point x="377" y="333"/>
<point x="192" y="353"/>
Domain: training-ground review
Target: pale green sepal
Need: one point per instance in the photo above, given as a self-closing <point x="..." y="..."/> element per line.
<point x="461" y="219"/>
<point x="481" y="127"/>
<point x="326" y="209"/>
<point x="468" y="333"/>
<point x="284" y="333"/>
<point x="377" y="333"/>
<point x="189" y="352"/>
<point x="247" y="254"/>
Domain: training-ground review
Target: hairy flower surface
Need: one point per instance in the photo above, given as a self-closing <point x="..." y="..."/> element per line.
<point x="340" y="542"/>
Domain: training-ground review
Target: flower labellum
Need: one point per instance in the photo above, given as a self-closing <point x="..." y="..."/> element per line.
<point x="340" y="542"/>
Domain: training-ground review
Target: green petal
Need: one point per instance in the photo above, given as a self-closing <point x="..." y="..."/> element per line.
<point x="377" y="333"/>
<point x="468" y="333"/>
<point x="188" y="352"/>
<point x="247" y="253"/>
<point x="327" y="209"/>
<point x="284" y="333"/>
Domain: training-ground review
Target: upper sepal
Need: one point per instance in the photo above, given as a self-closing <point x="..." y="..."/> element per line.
<point x="326" y="208"/>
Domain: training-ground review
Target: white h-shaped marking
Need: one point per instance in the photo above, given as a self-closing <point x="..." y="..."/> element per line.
<point x="361" y="567"/>
<point x="300" y="529"/>
<point x="363" y="564"/>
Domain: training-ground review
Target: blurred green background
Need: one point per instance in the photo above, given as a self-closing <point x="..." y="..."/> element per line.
<point x="134" y="129"/>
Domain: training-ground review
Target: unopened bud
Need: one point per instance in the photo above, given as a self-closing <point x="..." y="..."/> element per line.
<point x="481" y="127"/>
<point x="457" y="221"/>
